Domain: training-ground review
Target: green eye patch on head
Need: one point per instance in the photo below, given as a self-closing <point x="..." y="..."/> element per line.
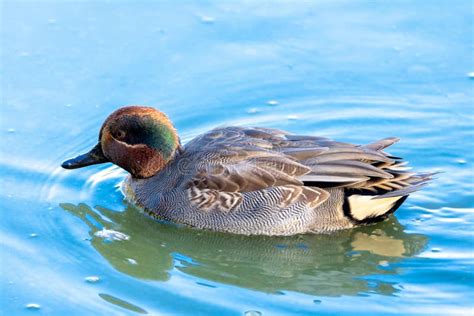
<point x="144" y="129"/>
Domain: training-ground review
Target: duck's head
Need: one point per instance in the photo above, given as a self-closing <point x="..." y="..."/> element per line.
<point x="140" y="139"/>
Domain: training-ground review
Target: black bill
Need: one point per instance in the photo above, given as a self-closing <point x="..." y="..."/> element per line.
<point x="93" y="157"/>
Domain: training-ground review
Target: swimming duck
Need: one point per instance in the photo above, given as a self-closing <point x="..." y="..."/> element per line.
<point x="251" y="180"/>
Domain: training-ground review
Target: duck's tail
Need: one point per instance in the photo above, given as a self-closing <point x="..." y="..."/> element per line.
<point x="366" y="207"/>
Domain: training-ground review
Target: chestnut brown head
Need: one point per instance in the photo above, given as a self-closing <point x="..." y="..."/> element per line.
<point x="140" y="139"/>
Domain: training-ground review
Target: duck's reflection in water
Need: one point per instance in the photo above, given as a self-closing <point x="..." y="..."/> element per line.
<point x="323" y="265"/>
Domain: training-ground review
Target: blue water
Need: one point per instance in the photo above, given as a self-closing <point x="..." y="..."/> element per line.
<point x="353" y="71"/>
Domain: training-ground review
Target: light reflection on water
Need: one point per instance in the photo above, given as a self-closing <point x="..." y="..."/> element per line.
<point x="353" y="72"/>
<point x="325" y="265"/>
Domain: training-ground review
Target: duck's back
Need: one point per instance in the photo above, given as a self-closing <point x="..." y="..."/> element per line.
<point x="266" y="181"/>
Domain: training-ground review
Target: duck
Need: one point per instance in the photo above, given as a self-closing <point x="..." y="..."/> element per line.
<point x="251" y="180"/>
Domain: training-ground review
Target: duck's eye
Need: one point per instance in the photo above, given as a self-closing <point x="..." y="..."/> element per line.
<point x="120" y="134"/>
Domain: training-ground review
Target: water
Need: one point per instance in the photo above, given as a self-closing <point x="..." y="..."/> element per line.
<point x="351" y="71"/>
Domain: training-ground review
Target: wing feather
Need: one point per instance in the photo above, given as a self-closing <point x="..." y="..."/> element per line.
<point x="240" y="160"/>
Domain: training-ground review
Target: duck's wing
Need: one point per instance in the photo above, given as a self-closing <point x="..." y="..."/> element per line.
<point x="236" y="159"/>
<point x="226" y="163"/>
<point x="367" y="169"/>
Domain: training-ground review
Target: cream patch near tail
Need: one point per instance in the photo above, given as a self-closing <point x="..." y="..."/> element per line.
<point x="363" y="207"/>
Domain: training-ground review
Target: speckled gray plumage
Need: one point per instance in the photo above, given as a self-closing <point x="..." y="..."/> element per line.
<point x="270" y="182"/>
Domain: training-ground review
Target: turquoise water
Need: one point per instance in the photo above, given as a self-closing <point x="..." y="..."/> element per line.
<point x="353" y="71"/>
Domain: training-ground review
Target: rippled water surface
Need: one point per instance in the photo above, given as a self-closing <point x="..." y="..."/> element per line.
<point x="353" y="71"/>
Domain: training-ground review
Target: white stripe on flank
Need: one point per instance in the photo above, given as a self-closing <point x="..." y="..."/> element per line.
<point x="363" y="206"/>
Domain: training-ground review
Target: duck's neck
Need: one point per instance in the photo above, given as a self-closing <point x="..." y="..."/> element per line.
<point x="149" y="163"/>
<point x="148" y="192"/>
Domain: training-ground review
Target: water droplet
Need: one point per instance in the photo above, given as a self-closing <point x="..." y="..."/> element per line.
<point x="160" y="30"/>
<point x="33" y="235"/>
<point x="111" y="235"/>
<point x="461" y="161"/>
<point x="11" y="130"/>
<point x="253" y="313"/>
<point x="253" y="111"/>
<point x="131" y="261"/>
<point x="293" y="117"/>
<point x="207" y="19"/>
<point x="33" y="306"/>
<point x="471" y="75"/>
<point x="68" y="105"/>
<point x="272" y="102"/>
<point x="92" y="279"/>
